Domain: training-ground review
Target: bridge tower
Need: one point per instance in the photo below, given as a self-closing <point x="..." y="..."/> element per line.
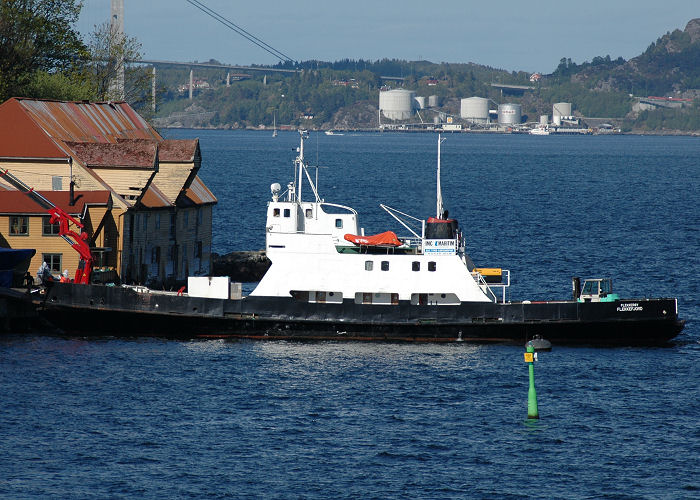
<point x="116" y="22"/>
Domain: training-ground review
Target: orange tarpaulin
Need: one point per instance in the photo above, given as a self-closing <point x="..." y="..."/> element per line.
<point x="386" y="239"/>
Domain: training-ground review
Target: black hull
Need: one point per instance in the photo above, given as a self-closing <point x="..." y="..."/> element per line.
<point x="100" y="310"/>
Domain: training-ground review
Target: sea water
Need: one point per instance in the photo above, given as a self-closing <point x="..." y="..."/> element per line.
<point x="149" y="418"/>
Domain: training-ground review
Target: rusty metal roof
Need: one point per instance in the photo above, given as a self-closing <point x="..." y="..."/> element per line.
<point x="88" y="121"/>
<point x="21" y="137"/>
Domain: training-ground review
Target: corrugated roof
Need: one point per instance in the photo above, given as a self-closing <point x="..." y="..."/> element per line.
<point x="21" y="137"/>
<point x="126" y="153"/>
<point x="17" y="202"/>
<point x="154" y="198"/>
<point x="199" y="193"/>
<point x="88" y="121"/>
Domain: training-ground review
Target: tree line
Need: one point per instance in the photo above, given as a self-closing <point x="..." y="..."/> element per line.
<point x="43" y="56"/>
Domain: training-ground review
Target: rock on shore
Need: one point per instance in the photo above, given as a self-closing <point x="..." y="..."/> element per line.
<point x="241" y="266"/>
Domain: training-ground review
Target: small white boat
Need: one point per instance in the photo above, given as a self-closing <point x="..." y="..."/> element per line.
<point x="331" y="132"/>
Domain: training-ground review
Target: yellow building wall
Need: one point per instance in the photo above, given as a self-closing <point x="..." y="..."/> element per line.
<point x="171" y="177"/>
<point x="54" y="244"/>
<point x="121" y="180"/>
<point x="39" y="175"/>
<point x="42" y="244"/>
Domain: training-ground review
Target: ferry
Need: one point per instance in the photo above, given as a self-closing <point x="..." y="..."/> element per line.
<point x="330" y="281"/>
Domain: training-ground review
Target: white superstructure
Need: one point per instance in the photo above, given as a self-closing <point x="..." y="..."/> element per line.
<point x="313" y="261"/>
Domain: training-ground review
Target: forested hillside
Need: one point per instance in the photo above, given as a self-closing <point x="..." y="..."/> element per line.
<point x="345" y="94"/>
<point x="42" y="56"/>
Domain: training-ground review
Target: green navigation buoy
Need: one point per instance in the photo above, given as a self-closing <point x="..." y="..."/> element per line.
<point x="532" y="412"/>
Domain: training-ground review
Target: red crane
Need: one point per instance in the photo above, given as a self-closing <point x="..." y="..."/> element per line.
<point x="75" y="240"/>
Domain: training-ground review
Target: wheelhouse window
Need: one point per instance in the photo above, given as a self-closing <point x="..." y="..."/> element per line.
<point x="369" y="265"/>
<point x="590" y="288"/>
<point x="415" y="266"/>
<point x="385" y="265"/>
<point x="432" y="266"/>
<point x="48" y="229"/>
<point x="19" y="225"/>
<point x="53" y="260"/>
<point x="275" y="212"/>
<point x="287" y="213"/>
<point x="309" y="213"/>
<point x="339" y="223"/>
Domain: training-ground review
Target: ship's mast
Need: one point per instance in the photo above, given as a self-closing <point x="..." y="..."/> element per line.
<point x="300" y="161"/>
<point x="439" y="189"/>
<point x="299" y="177"/>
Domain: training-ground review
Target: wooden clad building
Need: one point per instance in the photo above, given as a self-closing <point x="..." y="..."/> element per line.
<point x="153" y="221"/>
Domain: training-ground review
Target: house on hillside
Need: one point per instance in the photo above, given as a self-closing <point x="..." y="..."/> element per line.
<point x="153" y="224"/>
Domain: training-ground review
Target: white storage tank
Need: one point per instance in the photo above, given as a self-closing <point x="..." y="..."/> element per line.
<point x="420" y="102"/>
<point x="474" y="109"/>
<point x="397" y="104"/>
<point x="433" y="101"/>
<point x="561" y="109"/>
<point x="544" y="119"/>
<point x="509" y="114"/>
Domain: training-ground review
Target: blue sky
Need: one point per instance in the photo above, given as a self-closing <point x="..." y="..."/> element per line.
<point x="529" y="35"/>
